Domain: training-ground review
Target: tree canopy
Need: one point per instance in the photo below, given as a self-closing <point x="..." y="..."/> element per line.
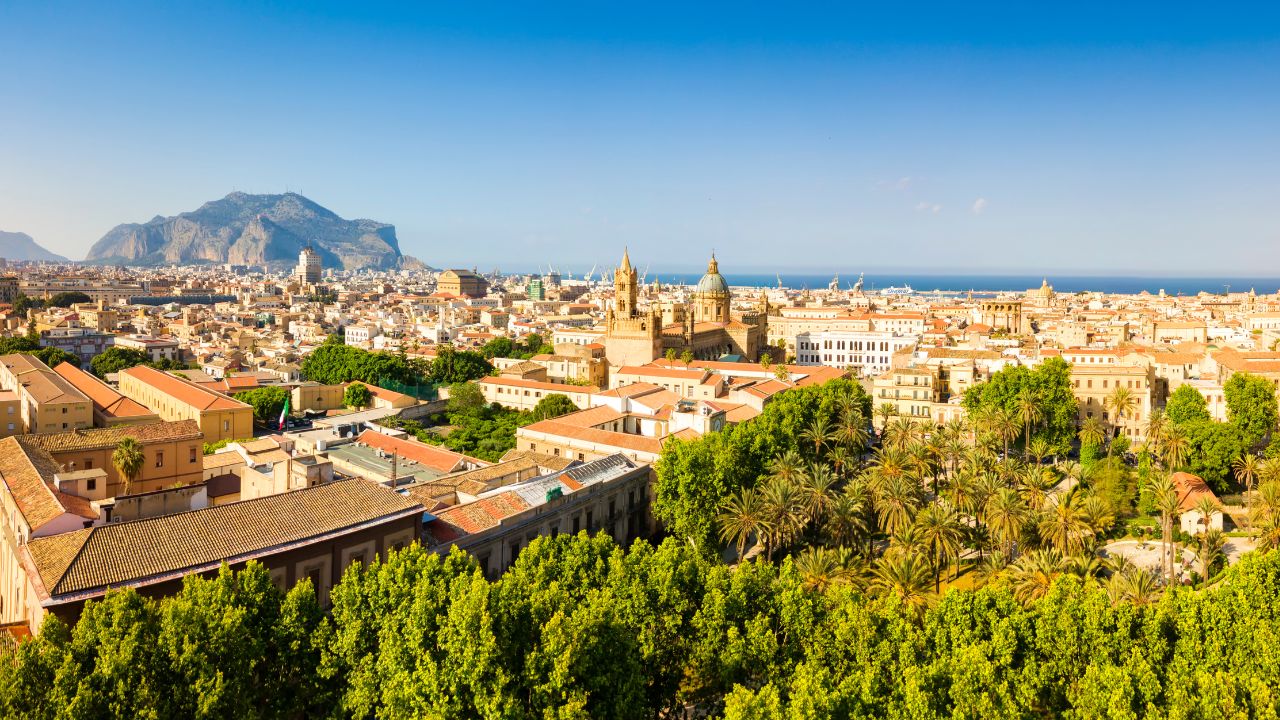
<point x="581" y="628"/>
<point x="1186" y="405"/>
<point x="552" y="406"/>
<point x="357" y="395"/>
<point x="114" y="359"/>
<point x="267" y="402"/>
<point x="1048" y="388"/>
<point x="30" y="345"/>
<point x="1251" y="405"/>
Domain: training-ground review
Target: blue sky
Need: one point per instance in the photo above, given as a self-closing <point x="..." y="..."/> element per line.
<point x="930" y="137"/>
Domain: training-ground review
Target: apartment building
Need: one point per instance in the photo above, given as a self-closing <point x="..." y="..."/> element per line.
<point x="521" y="394"/>
<point x="46" y="401"/>
<point x="1092" y="385"/>
<point x="865" y="353"/>
<point x="173" y="398"/>
<point x="172" y="453"/>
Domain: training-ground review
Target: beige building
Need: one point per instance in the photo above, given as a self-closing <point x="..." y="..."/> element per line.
<point x="1093" y="385"/>
<point x="521" y="394"/>
<point x="173" y="398"/>
<point x="172" y="453"/>
<point x="462" y="283"/>
<point x="46" y="401"/>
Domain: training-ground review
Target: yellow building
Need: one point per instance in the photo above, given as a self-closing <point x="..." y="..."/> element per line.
<point x="462" y="283"/>
<point x="46" y="401"/>
<point x="912" y="391"/>
<point x="1092" y="385"/>
<point x="173" y="398"/>
<point x="172" y="454"/>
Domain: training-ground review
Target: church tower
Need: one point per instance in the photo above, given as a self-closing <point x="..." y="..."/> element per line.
<point x="625" y="290"/>
<point x="631" y="337"/>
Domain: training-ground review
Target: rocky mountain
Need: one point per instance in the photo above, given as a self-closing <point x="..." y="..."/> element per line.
<point x="20" y="246"/>
<point x="245" y="229"/>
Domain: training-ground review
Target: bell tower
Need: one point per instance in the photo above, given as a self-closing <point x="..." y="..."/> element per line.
<point x="625" y="290"/>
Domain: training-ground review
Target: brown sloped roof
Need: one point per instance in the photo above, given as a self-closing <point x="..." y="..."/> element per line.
<point x="183" y="391"/>
<point x="98" y="438"/>
<point x="26" y="471"/>
<point x="106" y="398"/>
<point x="103" y="556"/>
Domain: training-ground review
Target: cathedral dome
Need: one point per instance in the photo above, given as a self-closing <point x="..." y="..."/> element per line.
<point x="713" y="283"/>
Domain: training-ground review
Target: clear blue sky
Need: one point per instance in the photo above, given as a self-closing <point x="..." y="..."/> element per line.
<point x="951" y="136"/>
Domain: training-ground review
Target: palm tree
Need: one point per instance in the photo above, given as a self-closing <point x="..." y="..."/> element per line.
<point x="1039" y="448"/>
<point x="1035" y="485"/>
<point x="884" y="411"/>
<point x="1029" y="412"/>
<point x="820" y="567"/>
<point x="1033" y="574"/>
<point x="1006" y="513"/>
<point x="1139" y="586"/>
<point x="817" y="490"/>
<point x="1002" y="425"/>
<point x="905" y="576"/>
<point x="782" y="512"/>
<point x="1164" y="498"/>
<point x="1091" y="432"/>
<point x="846" y="522"/>
<point x="1121" y="401"/>
<point x="1157" y="425"/>
<point x="788" y="467"/>
<point x="1210" y="553"/>
<point x="1064" y="527"/>
<point x="1176" y="445"/>
<point x="1246" y="469"/>
<point x="742" y="516"/>
<point x="819" y="432"/>
<point x="896" y="502"/>
<point x="128" y="459"/>
<point x="1097" y="514"/>
<point x="852" y="430"/>
<point x="1206" y="506"/>
<point x="940" y="529"/>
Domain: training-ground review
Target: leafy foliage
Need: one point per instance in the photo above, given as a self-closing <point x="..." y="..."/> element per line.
<point x="696" y="476"/>
<point x="334" y="363"/>
<point x="1251" y="405"/>
<point x="1186" y="405"/>
<point x="267" y="402"/>
<point x="532" y="344"/>
<point x="552" y="406"/>
<point x="1047" y="385"/>
<point x="30" y="345"/>
<point x="357" y="395"/>
<point x="580" y="628"/>
<point x="114" y="359"/>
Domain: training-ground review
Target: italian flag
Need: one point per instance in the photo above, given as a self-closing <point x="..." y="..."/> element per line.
<point x="284" y="411"/>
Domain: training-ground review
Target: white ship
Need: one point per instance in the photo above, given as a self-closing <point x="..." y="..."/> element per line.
<point x="904" y="290"/>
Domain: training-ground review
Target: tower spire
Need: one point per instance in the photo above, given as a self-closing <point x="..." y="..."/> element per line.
<point x="626" y="258"/>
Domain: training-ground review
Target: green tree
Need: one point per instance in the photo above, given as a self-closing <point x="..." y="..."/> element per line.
<point x="114" y="359"/>
<point x="67" y="299"/>
<point x="465" y="398"/>
<point x="128" y="458"/>
<point x="553" y="405"/>
<point x="1212" y="450"/>
<point x="453" y="366"/>
<point x="1186" y="405"/>
<point x="267" y="402"/>
<point x="1251" y="406"/>
<point x="357" y="395"/>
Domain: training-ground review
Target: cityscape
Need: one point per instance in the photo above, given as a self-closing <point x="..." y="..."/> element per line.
<point x="929" y="452"/>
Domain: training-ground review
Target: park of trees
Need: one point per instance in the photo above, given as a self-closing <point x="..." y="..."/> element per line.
<point x="582" y="628"/>
<point x="335" y="362"/>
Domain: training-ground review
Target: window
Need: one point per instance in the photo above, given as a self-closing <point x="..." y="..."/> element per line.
<point x="88" y="463"/>
<point x="194" y="456"/>
<point x="93" y="484"/>
<point x="64" y="411"/>
<point x="160" y="459"/>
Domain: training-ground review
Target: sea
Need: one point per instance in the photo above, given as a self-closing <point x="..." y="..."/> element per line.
<point x="989" y="284"/>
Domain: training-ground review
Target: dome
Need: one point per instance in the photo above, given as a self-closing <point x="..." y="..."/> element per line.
<point x="713" y="283"/>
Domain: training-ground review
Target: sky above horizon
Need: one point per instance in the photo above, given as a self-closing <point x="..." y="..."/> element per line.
<point x="931" y="137"/>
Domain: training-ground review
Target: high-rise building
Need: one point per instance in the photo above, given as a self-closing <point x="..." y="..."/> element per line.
<point x="308" y="270"/>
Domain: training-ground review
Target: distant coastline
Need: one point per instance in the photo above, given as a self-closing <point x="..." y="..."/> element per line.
<point x="997" y="283"/>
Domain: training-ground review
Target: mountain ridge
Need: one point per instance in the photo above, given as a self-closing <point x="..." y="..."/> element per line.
<point x="21" y="246"/>
<point x="247" y="229"/>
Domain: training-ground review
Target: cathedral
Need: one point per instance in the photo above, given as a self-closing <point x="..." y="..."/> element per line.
<point x="703" y="326"/>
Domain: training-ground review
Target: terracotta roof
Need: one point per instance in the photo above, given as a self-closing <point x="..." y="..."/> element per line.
<point x="40" y="382"/>
<point x="433" y="457"/>
<point x="182" y="390"/>
<point x="97" y="438"/>
<point x="28" y="472"/>
<point x="93" y="559"/>
<point x="105" y="398"/>
<point x="1191" y="488"/>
